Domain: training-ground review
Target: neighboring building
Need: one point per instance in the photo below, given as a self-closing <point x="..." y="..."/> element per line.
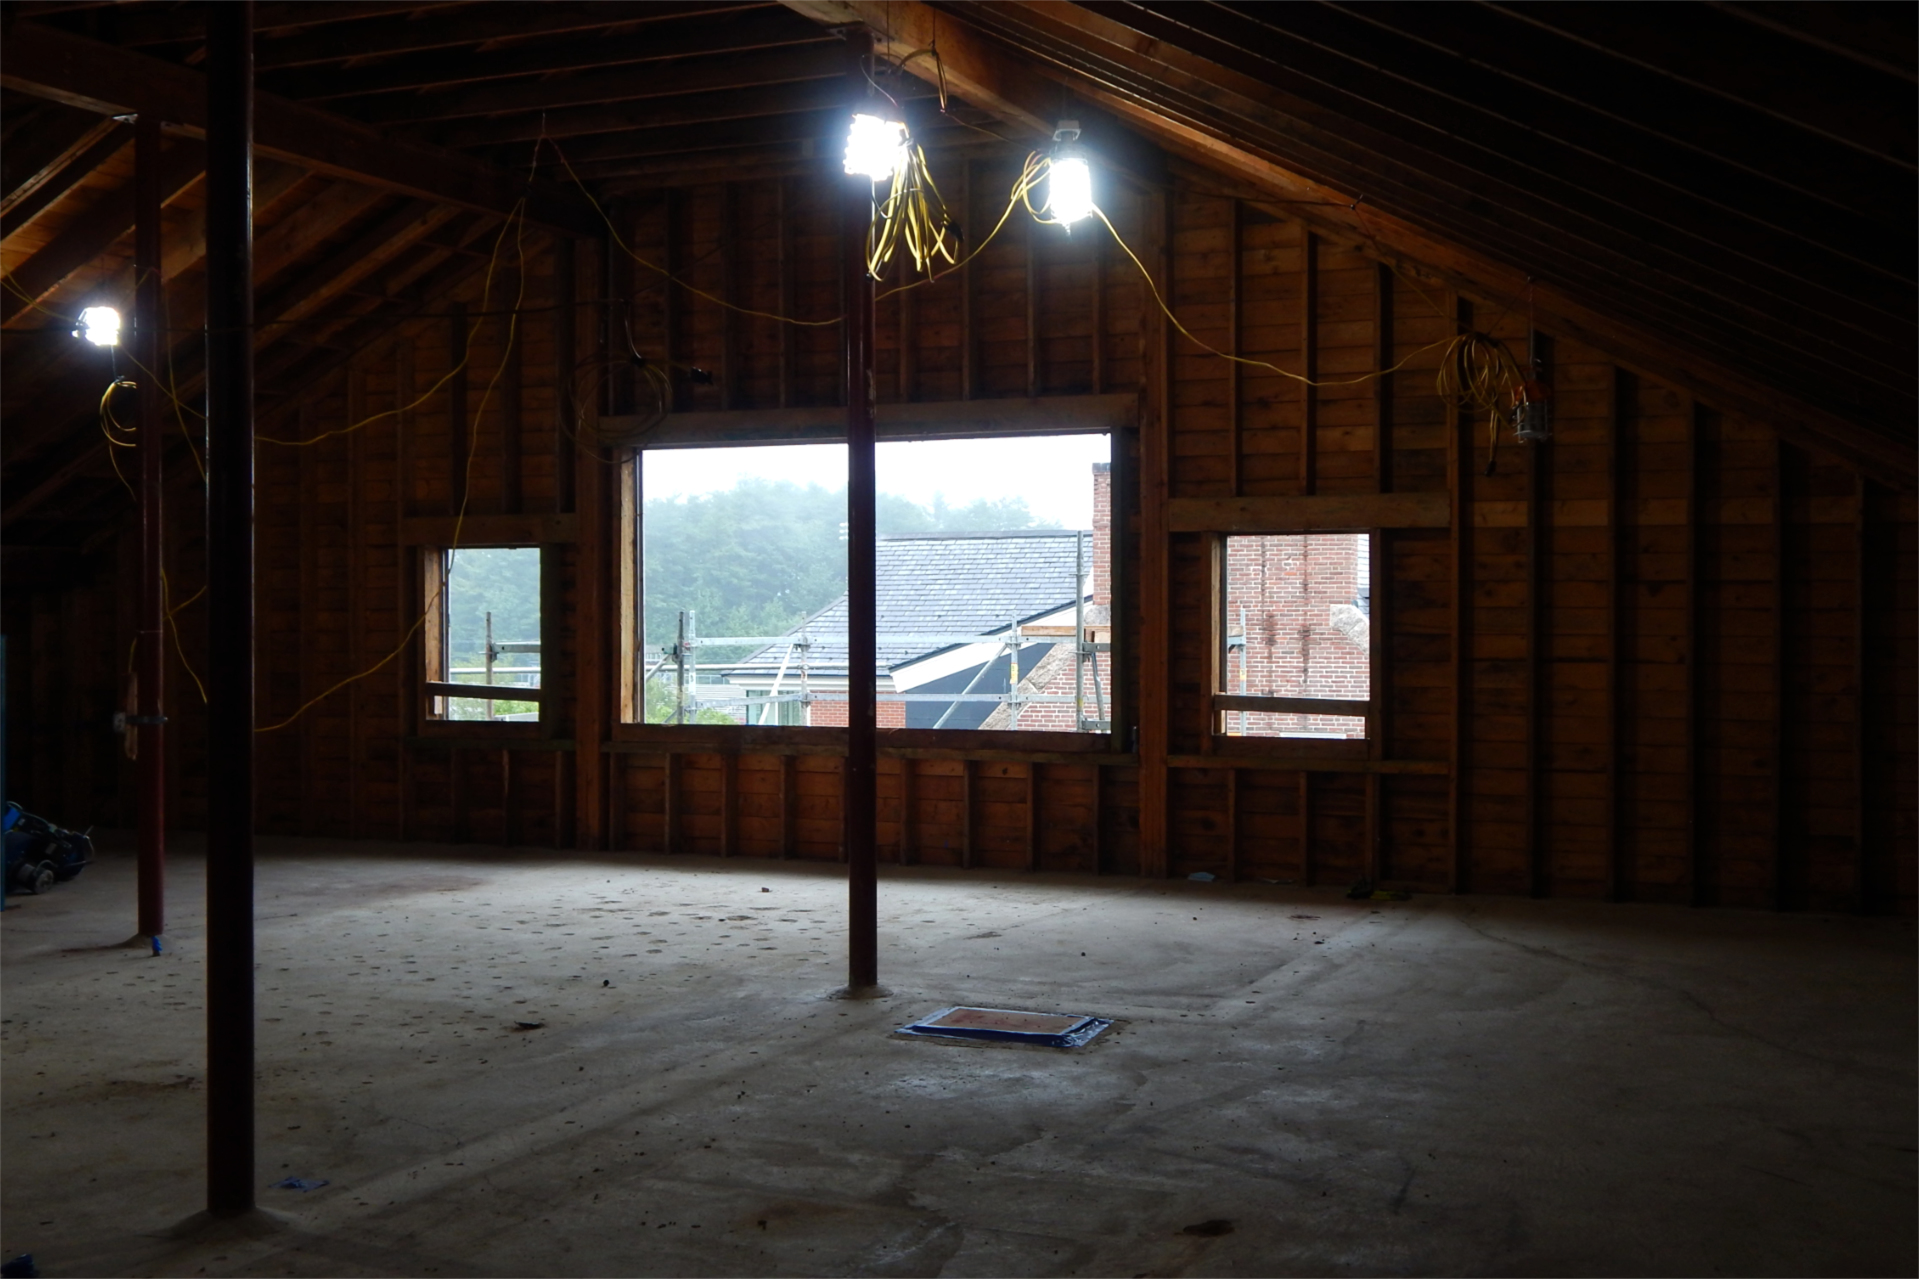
<point x="1297" y="625"/>
<point x="947" y="606"/>
<point x="1295" y="616"/>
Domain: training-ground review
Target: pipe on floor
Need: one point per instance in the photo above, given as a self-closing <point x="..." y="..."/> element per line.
<point x="230" y="711"/>
<point x="860" y="797"/>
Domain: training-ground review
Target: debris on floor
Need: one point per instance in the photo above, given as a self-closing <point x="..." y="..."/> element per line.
<point x="1211" y="1228"/>
<point x="299" y="1183"/>
<point x="1203" y="876"/>
<point x="1008" y="1026"/>
<point x="529" y="1025"/>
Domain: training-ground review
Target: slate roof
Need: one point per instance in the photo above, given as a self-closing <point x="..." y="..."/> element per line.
<point x="951" y="584"/>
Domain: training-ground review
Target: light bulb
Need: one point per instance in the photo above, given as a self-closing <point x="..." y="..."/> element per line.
<point x="1069" y="190"/>
<point x="875" y="147"/>
<point x="99" y="325"/>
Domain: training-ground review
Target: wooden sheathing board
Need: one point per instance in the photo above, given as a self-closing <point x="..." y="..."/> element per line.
<point x="1684" y="650"/>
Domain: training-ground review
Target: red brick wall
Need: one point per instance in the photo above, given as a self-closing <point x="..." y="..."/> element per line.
<point x="1288" y="586"/>
<point x="832" y="714"/>
<point x="1103" y="534"/>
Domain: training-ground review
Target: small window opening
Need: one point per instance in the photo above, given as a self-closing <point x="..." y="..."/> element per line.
<point x="994" y="577"/>
<point x="483" y="611"/>
<point x="1295" y="632"/>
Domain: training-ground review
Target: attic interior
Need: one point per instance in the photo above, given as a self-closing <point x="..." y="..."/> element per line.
<point x="1384" y="536"/>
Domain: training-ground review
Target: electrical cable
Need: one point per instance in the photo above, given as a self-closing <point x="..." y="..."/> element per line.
<point x="516" y="218"/>
<point x="1248" y="360"/>
<point x="627" y="249"/>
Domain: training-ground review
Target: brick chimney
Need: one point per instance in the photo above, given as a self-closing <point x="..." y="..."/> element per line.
<point x="1103" y="533"/>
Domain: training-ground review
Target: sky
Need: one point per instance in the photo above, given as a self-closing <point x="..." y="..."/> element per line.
<point x="1053" y="472"/>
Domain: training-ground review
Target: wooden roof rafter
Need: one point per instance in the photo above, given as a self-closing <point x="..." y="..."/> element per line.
<point x="1809" y="329"/>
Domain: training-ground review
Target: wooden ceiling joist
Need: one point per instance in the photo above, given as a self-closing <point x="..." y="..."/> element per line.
<point x="49" y="185"/>
<point x="91" y="234"/>
<point x="100" y="77"/>
<point x="44" y="146"/>
<point x="473" y="24"/>
<point x="723" y="73"/>
<point x="448" y="68"/>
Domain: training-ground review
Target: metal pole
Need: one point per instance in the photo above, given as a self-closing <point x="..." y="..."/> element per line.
<point x="489" y="660"/>
<point x="151" y="710"/>
<point x="229" y="203"/>
<point x="860" y="815"/>
<point x="1079" y="632"/>
<point x="679" y="654"/>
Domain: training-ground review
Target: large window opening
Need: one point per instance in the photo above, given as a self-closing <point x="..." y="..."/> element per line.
<point x="483" y="624"/>
<point x="1295" y="630"/>
<point x="994" y="579"/>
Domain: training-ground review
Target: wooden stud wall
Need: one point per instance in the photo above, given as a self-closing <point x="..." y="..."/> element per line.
<point x="1665" y="657"/>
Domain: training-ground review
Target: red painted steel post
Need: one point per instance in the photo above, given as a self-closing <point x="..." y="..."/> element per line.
<point x="149" y="351"/>
<point x="229" y="186"/>
<point x="861" y="794"/>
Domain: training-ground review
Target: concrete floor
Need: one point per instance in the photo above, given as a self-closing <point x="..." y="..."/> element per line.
<point x="1479" y="1086"/>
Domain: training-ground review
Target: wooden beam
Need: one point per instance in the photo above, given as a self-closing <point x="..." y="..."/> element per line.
<point x="729" y="805"/>
<point x="925" y="420"/>
<point x="1461" y="469"/>
<point x="94" y="76"/>
<point x="39" y="190"/>
<point x="1864" y="583"/>
<point x="789" y="806"/>
<point x="1784" y="467"/>
<point x="969" y="329"/>
<point x="1290" y="705"/>
<point x="1309" y="363"/>
<point x="1153" y="678"/>
<point x="909" y="807"/>
<point x="530" y="95"/>
<point x="670" y="816"/>
<point x="93" y="232"/>
<point x="1288" y="514"/>
<point x="1538" y="640"/>
<point x="461" y="434"/>
<point x="1697" y="887"/>
<point x="452" y="67"/>
<point x="490" y="530"/>
<point x="403" y="34"/>
<point x="1033" y="790"/>
<point x="45" y="140"/>
<point x="975" y="68"/>
<point x="967" y="826"/>
<point x="1625" y="398"/>
<point x="485" y="692"/>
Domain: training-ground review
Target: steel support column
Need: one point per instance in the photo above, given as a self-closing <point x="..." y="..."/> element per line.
<point x="860" y="797"/>
<point x="229" y="457"/>
<point x="149" y="351"/>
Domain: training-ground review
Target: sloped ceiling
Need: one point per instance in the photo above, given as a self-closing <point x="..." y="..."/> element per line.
<point x="1722" y="193"/>
<point x="1718" y="194"/>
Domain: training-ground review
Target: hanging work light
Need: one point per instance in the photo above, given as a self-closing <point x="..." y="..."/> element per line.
<point x="99" y="325"/>
<point x="875" y="148"/>
<point x="1069" y="179"/>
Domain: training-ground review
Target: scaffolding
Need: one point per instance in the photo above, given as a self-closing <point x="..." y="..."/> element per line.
<point x="491" y="672"/>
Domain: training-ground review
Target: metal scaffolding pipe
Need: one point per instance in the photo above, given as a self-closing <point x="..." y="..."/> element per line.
<point x="860" y="815"/>
<point x="230" y="712"/>
<point x="149" y="351"/>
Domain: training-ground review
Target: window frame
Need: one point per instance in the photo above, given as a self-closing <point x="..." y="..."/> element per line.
<point x="1112" y="414"/>
<point x="1219" y="704"/>
<point x="436" y="686"/>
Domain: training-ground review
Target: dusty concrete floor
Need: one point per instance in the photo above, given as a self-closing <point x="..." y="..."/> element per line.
<point x="1436" y="1086"/>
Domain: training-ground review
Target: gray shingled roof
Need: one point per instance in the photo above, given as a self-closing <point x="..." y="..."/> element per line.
<point x="952" y="584"/>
